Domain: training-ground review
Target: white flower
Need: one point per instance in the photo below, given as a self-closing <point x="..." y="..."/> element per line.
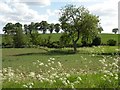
<point x="41" y="64"/>
<point x="32" y="74"/>
<point x="59" y="64"/>
<point x="68" y="75"/>
<point x="52" y="58"/>
<point x="79" y="78"/>
<point x="116" y="78"/>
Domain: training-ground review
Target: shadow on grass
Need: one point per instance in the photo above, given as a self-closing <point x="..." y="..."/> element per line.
<point x="51" y="52"/>
<point x="64" y="52"/>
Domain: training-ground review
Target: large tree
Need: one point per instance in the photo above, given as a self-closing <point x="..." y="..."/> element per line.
<point x="76" y="21"/>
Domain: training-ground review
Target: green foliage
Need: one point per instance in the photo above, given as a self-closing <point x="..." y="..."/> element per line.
<point x="76" y="21"/>
<point x="96" y="41"/>
<point x="19" y="36"/>
<point x="7" y="41"/>
<point x="51" y="27"/>
<point x="64" y="39"/>
<point x="111" y="42"/>
<point x="57" y="27"/>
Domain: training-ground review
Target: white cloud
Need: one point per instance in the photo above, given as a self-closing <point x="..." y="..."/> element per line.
<point x="108" y="12"/>
<point x="34" y="2"/>
<point x="21" y="11"/>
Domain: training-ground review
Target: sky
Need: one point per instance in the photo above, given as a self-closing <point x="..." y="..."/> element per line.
<point x="27" y="11"/>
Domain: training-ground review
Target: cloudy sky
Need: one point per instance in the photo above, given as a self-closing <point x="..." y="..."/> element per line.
<point x="27" y="11"/>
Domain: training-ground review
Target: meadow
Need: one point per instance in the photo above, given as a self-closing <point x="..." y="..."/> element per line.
<point x="91" y="67"/>
<point x="104" y="37"/>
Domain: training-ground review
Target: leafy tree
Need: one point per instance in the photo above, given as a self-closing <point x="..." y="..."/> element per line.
<point x="34" y="37"/>
<point x="76" y="21"/>
<point x="43" y="26"/>
<point x="26" y="30"/>
<point x="57" y="27"/>
<point x="31" y="28"/>
<point x="19" y="36"/>
<point x="115" y="30"/>
<point x="100" y="29"/>
<point x="7" y="41"/>
<point x="51" y="27"/>
<point x="64" y="39"/>
<point x="9" y="29"/>
<point x="96" y="41"/>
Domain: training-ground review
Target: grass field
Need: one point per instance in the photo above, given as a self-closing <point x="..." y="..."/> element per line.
<point x="52" y="68"/>
<point x="104" y="37"/>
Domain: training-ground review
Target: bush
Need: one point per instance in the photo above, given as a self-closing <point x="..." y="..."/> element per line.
<point x="111" y="42"/>
<point x="96" y="41"/>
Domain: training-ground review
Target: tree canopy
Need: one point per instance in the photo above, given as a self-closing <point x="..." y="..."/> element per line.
<point x="78" y="21"/>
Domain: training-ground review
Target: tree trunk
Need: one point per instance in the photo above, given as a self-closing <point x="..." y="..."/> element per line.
<point x="75" y="46"/>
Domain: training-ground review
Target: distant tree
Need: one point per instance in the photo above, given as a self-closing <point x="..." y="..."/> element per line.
<point x="76" y="21"/>
<point x="115" y="30"/>
<point x="51" y="27"/>
<point x="9" y="29"/>
<point x="31" y="28"/>
<point x="43" y="26"/>
<point x="26" y="29"/>
<point x="19" y="36"/>
<point x="57" y="27"/>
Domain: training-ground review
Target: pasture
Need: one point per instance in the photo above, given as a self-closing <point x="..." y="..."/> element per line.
<point x="104" y="37"/>
<point x="91" y="67"/>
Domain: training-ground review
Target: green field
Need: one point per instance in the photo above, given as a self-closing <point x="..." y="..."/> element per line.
<point x="52" y="68"/>
<point x="104" y="37"/>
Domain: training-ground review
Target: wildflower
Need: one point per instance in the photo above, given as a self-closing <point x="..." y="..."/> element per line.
<point x="32" y="74"/>
<point x="46" y="65"/>
<point x="64" y="82"/>
<point x="49" y="63"/>
<point x="116" y="77"/>
<point x="68" y="75"/>
<point x="41" y="64"/>
<point x="79" y="78"/>
<point x="52" y="58"/>
<point x="59" y="64"/>
<point x="72" y="85"/>
<point x="68" y="81"/>
<point x="25" y="86"/>
<point x="111" y="74"/>
<point x="52" y="62"/>
<point x="52" y="68"/>
<point x="93" y="55"/>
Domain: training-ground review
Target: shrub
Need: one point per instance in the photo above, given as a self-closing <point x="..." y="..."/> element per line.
<point x="111" y="42"/>
<point x="96" y="41"/>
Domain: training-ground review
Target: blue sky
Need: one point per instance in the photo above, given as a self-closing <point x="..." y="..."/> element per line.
<point x="27" y="11"/>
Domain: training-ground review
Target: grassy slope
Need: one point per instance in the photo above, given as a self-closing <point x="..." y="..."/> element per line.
<point x="104" y="37"/>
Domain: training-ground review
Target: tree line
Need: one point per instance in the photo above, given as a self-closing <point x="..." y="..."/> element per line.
<point x="75" y="22"/>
